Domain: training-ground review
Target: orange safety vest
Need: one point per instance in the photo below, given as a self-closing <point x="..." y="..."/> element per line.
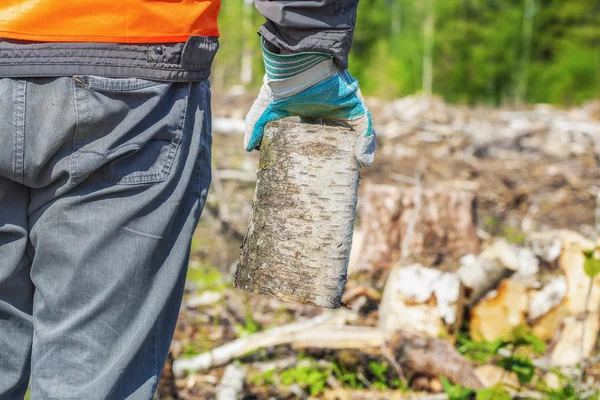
<point x="113" y="21"/>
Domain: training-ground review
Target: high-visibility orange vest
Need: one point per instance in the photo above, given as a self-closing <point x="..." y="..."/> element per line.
<point x="114" y="21"/>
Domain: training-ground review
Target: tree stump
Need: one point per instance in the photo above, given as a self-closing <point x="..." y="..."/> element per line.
<point x="444" y="231"/>
<point x="302" y="219"/>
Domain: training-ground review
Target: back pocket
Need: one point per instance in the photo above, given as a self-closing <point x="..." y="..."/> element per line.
<point x="128" y="129"/>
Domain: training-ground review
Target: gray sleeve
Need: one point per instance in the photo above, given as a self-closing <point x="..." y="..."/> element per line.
<point x="310" y="25"/>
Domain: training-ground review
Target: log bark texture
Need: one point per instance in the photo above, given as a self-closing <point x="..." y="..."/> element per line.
<point x="444" y="231"/>
<point x="302" y="219"/>
<point x="433" y="357"/>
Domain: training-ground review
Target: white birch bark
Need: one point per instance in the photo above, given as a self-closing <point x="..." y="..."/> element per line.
<point x="302" y="219"/>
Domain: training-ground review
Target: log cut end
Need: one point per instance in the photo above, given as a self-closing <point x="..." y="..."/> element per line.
<point x="302" y="219"/>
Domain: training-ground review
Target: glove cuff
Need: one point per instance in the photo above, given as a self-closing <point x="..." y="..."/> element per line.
<point x="283" y="66"/>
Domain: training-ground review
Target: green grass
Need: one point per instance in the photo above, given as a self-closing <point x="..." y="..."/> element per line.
<point x="207" y="277"/>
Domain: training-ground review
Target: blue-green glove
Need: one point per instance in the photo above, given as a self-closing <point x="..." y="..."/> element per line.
<point x="310" y="86"/>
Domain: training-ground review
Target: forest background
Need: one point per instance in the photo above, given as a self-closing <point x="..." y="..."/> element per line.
<point x="490" y="52"/>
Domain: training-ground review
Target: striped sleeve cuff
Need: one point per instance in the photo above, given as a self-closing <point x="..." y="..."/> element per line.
<point x="282" y="66"/>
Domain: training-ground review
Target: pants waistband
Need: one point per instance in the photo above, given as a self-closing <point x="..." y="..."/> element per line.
<point x="176" y="62"/>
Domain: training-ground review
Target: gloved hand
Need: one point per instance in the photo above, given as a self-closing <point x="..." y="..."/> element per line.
<point x="310" y="86"/>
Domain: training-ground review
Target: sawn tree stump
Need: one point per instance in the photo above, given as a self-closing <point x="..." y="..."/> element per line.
<point x="445" y="229"/>
<point x="302" y="219"/>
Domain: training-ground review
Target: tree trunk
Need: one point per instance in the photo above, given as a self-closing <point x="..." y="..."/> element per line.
<point x="444" y="231"/>
<point x="302" y="219"/>
<point x="428" y="41"/>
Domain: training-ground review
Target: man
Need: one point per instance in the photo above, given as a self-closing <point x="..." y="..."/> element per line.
<point x="105" y="145"/>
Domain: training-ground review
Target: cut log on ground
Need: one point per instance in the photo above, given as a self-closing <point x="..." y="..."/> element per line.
<point x="433" y="357"/>
<point x="422" y="301"/>
<point x="496" y="315"/>
<point x="445" y="227"/>
<point x="302" y="219"/>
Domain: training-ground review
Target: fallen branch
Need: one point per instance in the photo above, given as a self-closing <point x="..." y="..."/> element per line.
<point x="273" y="337"/>
<point x="426" y="356"/>
<point x="232" y="383"/>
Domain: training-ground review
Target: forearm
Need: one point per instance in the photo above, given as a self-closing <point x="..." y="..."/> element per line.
<point x="310" y="25"/>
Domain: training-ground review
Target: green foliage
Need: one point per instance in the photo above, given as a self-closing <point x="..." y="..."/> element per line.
<point x="312" y="378"/>
<point x="399" y="384"/>
<point x="485" y="351"/>
<point x="520" y="365"/>
<point x="379" y="371"/>
<point x="520" y="338"/>
<point x="266" y="378"/>
<point x="190" y="350"/>
<point x="482" y="351"/>
<point x="566" y="390"/>
<point x="347" y="378"/>
<point x="456" y="392"/>
<point x="591" y="265"/>
<point x="496" y="392"/>
<point x="489" y="52"/>
<point x="513" y="235"/>
<point x="206" y="277"/>
<point x="250" y="326"/>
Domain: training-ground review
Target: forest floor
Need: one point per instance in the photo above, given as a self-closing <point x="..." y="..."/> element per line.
<point x="532" y="170"/>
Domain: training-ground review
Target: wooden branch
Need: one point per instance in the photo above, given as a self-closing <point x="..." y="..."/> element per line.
<point x="272" y="337"/>
<point x="302" y="219"/>
<point x="232" y="383"/>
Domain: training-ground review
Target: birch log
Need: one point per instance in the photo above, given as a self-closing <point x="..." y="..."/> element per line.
<point x="300" y="227"/>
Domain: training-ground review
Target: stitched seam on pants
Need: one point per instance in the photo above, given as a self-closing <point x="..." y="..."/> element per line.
<point x="170" y="159"/>
<point x="19" y="126"/>
<point x="204" y="149"/>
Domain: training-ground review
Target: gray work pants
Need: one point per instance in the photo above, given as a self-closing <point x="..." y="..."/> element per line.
<point x="102" y="182"/>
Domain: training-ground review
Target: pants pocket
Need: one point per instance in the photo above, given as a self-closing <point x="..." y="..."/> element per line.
<point x="128" y="129"/>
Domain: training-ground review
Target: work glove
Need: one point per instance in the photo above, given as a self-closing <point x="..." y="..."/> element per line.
<point x="310" y="86"/>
